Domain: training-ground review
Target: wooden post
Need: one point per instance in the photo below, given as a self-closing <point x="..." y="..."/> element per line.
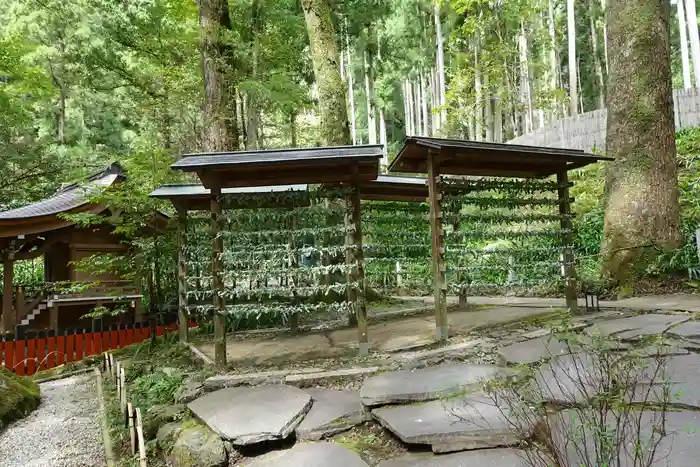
<point x="19" y="304"/>
<point x="182" y="310"/>
<point x="217" y="247"/>
<point x="568" y="240"/>
<point x="359" y="275"/>
<point x="138" y="310"/>
<point x="53" y="316"/>
<point x="8" y="313"/>
<point x="438" y="249"/>
<point x="350" y="260"/>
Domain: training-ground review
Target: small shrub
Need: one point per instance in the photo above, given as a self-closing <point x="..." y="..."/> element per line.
<point x="18" y="396"/>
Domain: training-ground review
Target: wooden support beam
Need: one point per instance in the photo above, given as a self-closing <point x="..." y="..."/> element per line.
<point x="350" y="260"/>
<point x="438" y="250"/>
<point x="53" y="317"/>
<point x="19" y="303"/>
<point x="217" y="247"/>
<point x="8" y="312"/>
<point x="360" y="303"/>
<point x="566" y="225"/>
<point x="182" y="310"/>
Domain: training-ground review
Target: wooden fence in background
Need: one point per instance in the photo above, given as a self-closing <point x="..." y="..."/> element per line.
<point x="42" y="350"/>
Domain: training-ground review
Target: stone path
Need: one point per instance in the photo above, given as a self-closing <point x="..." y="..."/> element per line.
<point x="64" y="431"/>
<point x="384" y="336"/>
<point x="442" y="406"/>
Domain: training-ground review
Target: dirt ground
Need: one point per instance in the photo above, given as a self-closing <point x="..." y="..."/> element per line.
<point x="386" y="336"/>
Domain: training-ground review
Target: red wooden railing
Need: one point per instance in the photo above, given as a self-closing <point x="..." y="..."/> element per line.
<point x="39" y="351"/>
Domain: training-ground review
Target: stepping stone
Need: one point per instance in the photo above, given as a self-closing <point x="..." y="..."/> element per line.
<point x="573" y="439"/>
<point x="689" y="331"/>
<point x="425" y="384"/>
<point x="567" y="379"/>
<point x="534" y="350"/>
<point x="458" y="424"/>
<point x="448" y="350"/>
<point x="308" y="455"/>
<point x="332" y="412"/>
<point x="480" y="458"/>
<point x="638" y="326"/>
<point x="249" y="415"/>
<point x="676" y="380"/>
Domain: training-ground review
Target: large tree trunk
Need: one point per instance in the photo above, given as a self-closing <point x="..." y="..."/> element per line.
<point x="253" y="123"/>
<point x="219" y="126"/>
<point x="694" y="37"/>
<point x="685" y="59"/>
<point x="573" y="81"/>
<point x="642" y="183"/>
<point x="335" y="129"/>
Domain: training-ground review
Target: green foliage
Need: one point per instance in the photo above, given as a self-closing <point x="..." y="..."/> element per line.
<point x="18" y="396"/>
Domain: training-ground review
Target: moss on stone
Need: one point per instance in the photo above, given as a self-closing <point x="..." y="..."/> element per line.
<point x="18" y="397"/>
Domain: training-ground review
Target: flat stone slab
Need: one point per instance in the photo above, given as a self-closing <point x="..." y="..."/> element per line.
<point x="310" y="379"/>
<point x="454" y="349"/>
<point x="671" y="302"/>
<point x="308" y="455"/>
<point x="481" y="458"/>
<point x="634" y="327"/>
<point x="573" y="438"/>
<point x="534" y="350"/>
<point x="689" y="331"/>
<point x="425" y="384"/>
<point x="463" y="423"/>
<point x="332" y="412"/>
<point x="248" y="415"/>
<point x="252" y="379"/>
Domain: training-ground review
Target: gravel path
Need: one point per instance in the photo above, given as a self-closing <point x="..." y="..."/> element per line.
<point x="64" y="431"/>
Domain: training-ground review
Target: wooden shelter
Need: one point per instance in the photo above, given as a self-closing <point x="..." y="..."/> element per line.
<point x="40" y="229"/>
<point x="350" y="165"/>
<point x="438" y="157"/>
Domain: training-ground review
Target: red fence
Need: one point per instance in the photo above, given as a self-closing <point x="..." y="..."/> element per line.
<point x="45" y="350"/>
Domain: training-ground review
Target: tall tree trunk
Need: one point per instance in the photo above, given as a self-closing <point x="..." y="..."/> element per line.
<point x="605" y="34"/>
<point x="525" y="99"/>
<point x="416" y="108"/>
<point x="369" y="89"/>
<point x="434" y="104"/>
<point x="219" y="92"/>
<point x="478" y="97"/>
<point x="383" y="139"/>
<point x="440" y="64"/>
<point x="424" y="103"/>
<point x="410" y="118"/>
<point x="406" y="109"/>
<point x="253" y="123"/>
<point x="488" y="113"/>
<point x="351" y="87"/>
<point x="596" y="57"/>
<point x="683" y="30"/>
<point x="497" y="120"/>
<point x="692" y="20"/>
<point x="335" y="129"/>
<point x="642" y="206"/>
<point x="573" y="81"/>
<point x="293" y="128"/>
<point x="553" y="63"/>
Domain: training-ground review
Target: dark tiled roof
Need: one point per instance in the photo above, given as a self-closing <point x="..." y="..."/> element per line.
<point x="68" y="197"/>
<point x="266" y="156"/>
